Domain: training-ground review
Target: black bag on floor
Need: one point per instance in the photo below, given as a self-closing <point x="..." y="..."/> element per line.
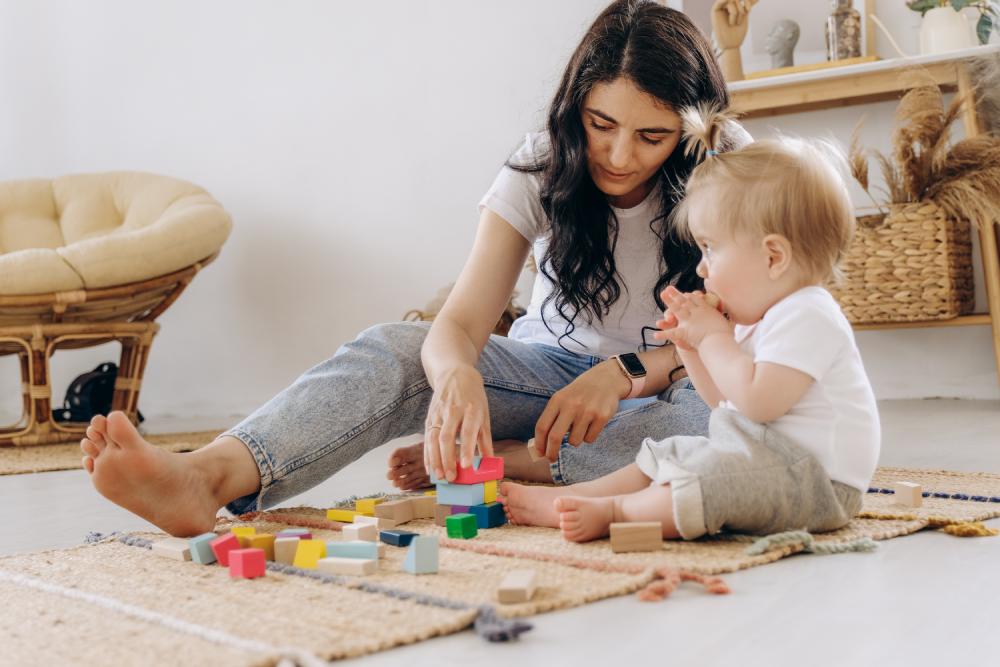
<point x="88" y="395"/>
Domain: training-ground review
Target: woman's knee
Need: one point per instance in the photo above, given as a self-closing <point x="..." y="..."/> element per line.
<point x="394" y="344"/>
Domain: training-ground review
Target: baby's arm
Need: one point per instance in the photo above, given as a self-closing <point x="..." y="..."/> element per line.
<point x="762" y="391"/>
<point x="700" y="377"/>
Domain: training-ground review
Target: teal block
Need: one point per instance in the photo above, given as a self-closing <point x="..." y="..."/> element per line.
<point x="353" y="549"/>
<point x="461" y="526"/>
<point x="461" y="494"/>
<point x="201" y="548"/>
<point x="489" y="515"/>
<point x="422" y="556"/>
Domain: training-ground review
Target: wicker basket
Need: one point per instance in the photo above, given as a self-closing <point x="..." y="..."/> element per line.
<point x="908" y="266"/>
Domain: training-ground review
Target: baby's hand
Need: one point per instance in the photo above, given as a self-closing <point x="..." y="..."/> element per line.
<point x="689" y="318"/>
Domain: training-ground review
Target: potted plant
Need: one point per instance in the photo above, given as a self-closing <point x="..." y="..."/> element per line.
<point x="944" y="28"/>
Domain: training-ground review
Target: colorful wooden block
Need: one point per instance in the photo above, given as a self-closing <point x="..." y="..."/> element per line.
<point x="486" y="469"/>
<point x="352" y="566"/>
<point x="461" y="509"/>
<point x="490" y="515"/>
<point x="399" y="511"/>
<point x="222" y="545"/>
<point x="285" y="548"/>
<point x="173" y="547"/>
<point x="517" y="586"/>
<point x="490" y="491"/>
<point x="201" y="548"/>
<point x="297" y="533"/>
<point x="308" y="553"/>
<point x="344" y="516"/>
<point x="247" y="563"/>
<point x="360" y="531"/>
<point x="907" y="494"/>
<point x="441" y="512"/>
<point x="366" y="506"/>
<point x="397" y="538"/>
<point x="423" y="506"/>
<point x="431" y="492"/>
<point x="244" y="533"/>
<point x="379" y="522"/>
<point x="422" y="555"/>
<point x="263" y="541"/>
<point x="461" y="494"/>
<point x="352" y="549"/>
<point x="461" y="526"/>
<point x="636" y="536"/>
<point x="533" y="452"/>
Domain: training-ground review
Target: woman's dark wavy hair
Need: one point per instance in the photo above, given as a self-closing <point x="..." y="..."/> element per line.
<point x="665" y="55"/>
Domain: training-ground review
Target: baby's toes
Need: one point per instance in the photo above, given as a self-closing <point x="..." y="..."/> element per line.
<point x="88" y="464"/>
<point x="96" y="437"/>
<point x="88" y="447"/>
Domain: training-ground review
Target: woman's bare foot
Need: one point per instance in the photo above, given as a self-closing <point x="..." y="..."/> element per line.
<point x="406" y="468"/>
<point x="530" y="505"/>
<point x="582" y="519"/>
<point x="162" y="487"/>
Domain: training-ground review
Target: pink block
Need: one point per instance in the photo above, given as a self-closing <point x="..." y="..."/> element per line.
<point x="246" y="563"/>
<point x="490" y="468"/>
<point x="222" y="546"/>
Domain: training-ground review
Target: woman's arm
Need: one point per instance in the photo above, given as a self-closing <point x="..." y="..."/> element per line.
<point x="456" y="339"/>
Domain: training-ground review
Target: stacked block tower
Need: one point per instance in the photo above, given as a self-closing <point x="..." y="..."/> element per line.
<point x="469" y="502"/>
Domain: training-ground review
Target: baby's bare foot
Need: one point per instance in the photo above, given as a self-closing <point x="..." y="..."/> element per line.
<point x="530" y="505"/>
<point x="406" y="468"/>
<point x="162" y="487"/>
<point x="583" y="519"/>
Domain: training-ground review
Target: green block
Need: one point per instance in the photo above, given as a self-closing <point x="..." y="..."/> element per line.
<point x="461" y="526"/>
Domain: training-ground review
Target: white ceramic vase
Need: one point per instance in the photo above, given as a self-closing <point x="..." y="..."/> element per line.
<point x="944" y="29"/>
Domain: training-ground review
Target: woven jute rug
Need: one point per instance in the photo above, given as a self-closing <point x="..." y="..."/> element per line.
<point x="141" y="605"/>
<point x="45" y="458"/>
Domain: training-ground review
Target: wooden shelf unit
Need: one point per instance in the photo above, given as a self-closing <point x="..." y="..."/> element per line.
<point x="874" y="82"/>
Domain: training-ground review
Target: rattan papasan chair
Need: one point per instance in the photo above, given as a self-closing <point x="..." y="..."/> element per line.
<point x="88" y="259"/>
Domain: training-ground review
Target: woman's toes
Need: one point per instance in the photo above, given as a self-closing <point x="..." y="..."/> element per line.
<point x="89" y="448"/>
<point x="96" y="437"/>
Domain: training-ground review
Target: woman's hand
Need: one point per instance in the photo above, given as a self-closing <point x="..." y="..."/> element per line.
<point x="689" y="318"/>
<point x="458" y="413"/>
<point x="581" y="408"/>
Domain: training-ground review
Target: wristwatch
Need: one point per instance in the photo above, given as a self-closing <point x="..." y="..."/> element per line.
<point x="633" y="369"/>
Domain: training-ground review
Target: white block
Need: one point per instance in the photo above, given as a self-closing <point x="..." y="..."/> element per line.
<point x="353" y="566"/>
<point x="172" y="547"/>
<point x="378" y="522"/>
<point x="360" y="531"/>
<point x="907" y="494"/>
<point x="517" y="586"/>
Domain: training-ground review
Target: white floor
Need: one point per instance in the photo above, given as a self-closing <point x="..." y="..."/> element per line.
<point x="925" y="599"/>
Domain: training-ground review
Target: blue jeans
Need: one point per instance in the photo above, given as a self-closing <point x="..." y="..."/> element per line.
<point x="374" y="389"/>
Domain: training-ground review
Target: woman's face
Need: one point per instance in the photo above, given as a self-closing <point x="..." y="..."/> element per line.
<point x="629" y="136"/>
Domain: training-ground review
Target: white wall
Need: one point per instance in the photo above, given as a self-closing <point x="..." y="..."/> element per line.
<point x="351" y="143"/>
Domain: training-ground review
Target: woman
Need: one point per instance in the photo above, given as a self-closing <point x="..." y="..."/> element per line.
<point x="591" y="196"/>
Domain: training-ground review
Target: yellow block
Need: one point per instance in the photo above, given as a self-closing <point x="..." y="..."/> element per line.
<point x="243" y="534"/>
<point x="309" y="553"/>
<point x="366" y="506"/>
<point x="432" y="492"/>
<point x="344" y="516"/>
<point x="490" y="491"/>
<point x="263" y="541"/>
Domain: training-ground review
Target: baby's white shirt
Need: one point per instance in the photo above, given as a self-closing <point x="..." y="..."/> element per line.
<point x="837" y="418"/>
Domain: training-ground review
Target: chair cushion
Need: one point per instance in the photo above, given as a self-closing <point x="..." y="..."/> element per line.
<point x="90" y="231"/>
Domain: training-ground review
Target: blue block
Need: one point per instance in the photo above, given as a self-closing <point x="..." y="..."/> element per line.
<point x="489" y="515"/>
<point x="201" y="548"/>
<point x="397" y="538"/>
<point x="461" y="494"/>
<point x="353" y="549"/>
<point x="422" y="556"/>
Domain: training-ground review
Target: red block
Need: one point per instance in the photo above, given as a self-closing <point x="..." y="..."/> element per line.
<point x="246" y="563"/>
<point x="490" y="468"/>
<point x="222" y="546"/>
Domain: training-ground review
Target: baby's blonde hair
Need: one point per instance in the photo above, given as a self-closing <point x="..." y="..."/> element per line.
<point x="785" y="186"/>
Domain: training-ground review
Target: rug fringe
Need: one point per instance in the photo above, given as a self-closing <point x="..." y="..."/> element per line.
<point x="808" y="543"/>
<point x="970" y="529"/>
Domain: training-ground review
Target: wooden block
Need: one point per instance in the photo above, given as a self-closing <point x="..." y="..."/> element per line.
<point x="461" y="494"/>
<point x="431" y="492"/>
<point x="533" y="453"/>
<point x="489" y="515"/>
<point x="308" y="553"/>
<point x="380" y="523"/>
<point x="201" y="548"/>
<point x="344" y="516"/>
<point x="485" y="469"/>
<point x="353" y="566"/>
<point x="298" y="533"/>
<point x="244" y="533"/>
<point x="423" y="506"/>
<point x="517" y="586"/>
<point x="422" y="556"/>
<point x="352" y="549"/>
<point x="461" y="526"/>
<point x="397" y="538"/>
<point x="400" y="511"/>
<point x="263" y="541"/>
<point x="173" y="547"/>
<point x="360" y="531"/>
<point x="636" y="536"/>
<point x="366" y="506"/>
<point x="285" y="548"/>
<point x="441" y="513"/>
<point x="222" y="545"/>
<point x="907" y="494"/>
<point x="247" y="563"/>
<point x="490" y="492"/>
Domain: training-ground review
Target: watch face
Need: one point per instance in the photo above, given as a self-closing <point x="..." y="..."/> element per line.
<point x="632" y="364"/>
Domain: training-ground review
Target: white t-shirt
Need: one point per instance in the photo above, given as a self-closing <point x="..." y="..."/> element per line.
<point x="836" y="419"/>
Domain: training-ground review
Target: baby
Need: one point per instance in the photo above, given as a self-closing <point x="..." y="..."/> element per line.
<point x="794" y="437"/>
